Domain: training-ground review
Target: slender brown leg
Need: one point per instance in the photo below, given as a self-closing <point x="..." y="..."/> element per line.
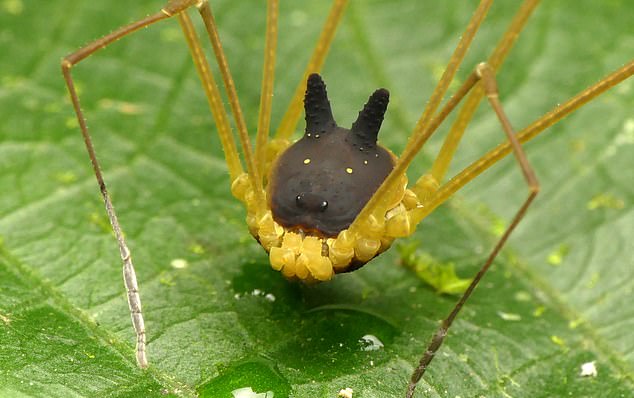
<point x="489" y="84"/>
<point x="129" y="275"/>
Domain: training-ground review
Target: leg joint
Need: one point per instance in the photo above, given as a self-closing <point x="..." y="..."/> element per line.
<point x="66" y="65"/>
<point x="486" y="74"/>
<point x="177" y="6"/>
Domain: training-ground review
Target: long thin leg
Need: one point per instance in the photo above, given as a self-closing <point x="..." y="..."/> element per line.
<point x="486" y="74"/>
<point x="256" y="182"/>
<point x="213" y="97"/>
<point x="531" y="131"/>
<point x="129" y="275"/>
<point x="420" y="135"/>
<point x="443" y="160"/>
<point x="294" y="111"/>
<point x="266" y="93"/>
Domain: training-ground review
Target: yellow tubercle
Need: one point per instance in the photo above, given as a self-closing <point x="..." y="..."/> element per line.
<point x="301" y="267"/>
<point x="240" y="186"/>
<point x="250" y="200"/>
<point x="310" y="256"/>
<point x="399" y="224"/>
<point x="340" y="253"/>
<point x="386" y="243"/>
<point x="373" y="227"/>
<point x="281" y="257"/>
<point x="252" y="223"/>
<point x="269" y="232"/>
<point x="292" y="241"/>
<point x="320" y="267"/>
<point x="289" y="270"/>
<point x="274" y="147"/>
<point x="425" y="187"/>
<point x="365" y="249"/>
<point x="410" y="200"/>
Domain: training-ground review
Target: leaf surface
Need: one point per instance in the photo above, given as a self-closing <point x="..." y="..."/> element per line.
<point x="226" y="320"/>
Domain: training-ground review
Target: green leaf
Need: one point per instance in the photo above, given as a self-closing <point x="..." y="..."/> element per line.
<point x="212" y="323"/>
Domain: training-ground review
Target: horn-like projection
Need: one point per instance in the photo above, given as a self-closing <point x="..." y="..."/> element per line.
<point x="319" y="117"/>
<point x="366" y="128"/>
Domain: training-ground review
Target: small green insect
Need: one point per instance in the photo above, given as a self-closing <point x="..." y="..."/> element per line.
<point x="336" y="198"/>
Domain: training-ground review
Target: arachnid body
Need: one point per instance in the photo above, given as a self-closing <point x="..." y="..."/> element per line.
<point x="301" y="215"/>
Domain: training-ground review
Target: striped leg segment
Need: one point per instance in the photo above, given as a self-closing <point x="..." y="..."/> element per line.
<point x="68" y="62"/>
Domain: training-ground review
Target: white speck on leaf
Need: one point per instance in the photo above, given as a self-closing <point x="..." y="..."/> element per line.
<point x="345" y="393"/>
<point x="247" y="392"/>
<point x="370" y="342"/>
<point x="507" y="316"/>
<point x="588" y="369"/>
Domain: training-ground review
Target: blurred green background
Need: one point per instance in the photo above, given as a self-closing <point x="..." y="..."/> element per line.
<point x="560" y="294"/>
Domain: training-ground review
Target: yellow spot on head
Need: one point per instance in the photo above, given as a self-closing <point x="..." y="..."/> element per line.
<point x="349" y="170"/>
<point x="306" y="161"/>
<point x="365" y="162"/>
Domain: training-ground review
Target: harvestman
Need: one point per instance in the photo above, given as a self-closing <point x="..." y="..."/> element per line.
<point x="303" y="213"/>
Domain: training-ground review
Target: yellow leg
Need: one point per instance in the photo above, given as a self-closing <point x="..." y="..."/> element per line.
<point x="443" y="160"/>
<point x="258" y="201"/>
<point x="266" y="94"/>
<point x="377" y="205"/>
<point x="479" y="166"/>
<point x="213" y="97"/>
<point x="294" y="111"/>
